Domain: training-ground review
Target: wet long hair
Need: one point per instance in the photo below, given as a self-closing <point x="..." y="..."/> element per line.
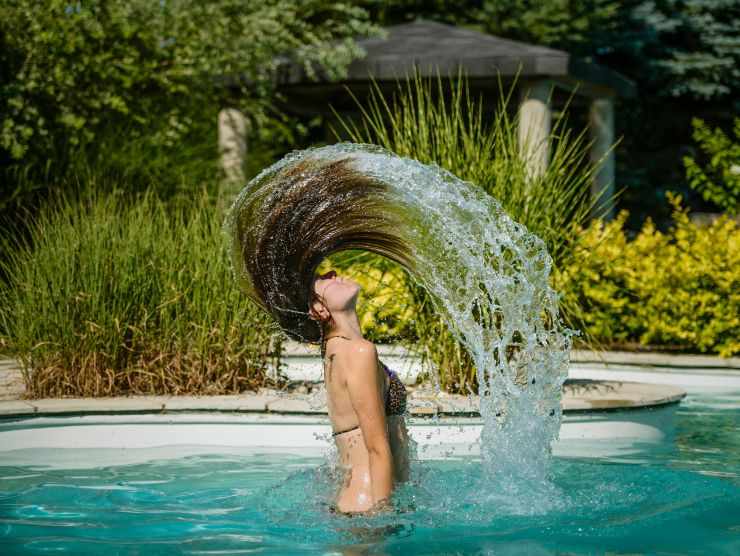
<point x="284" y="224"/>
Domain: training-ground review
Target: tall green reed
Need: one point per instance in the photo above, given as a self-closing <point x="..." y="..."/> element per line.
<point x="111" y="295"/>
<point x="437" y="121"/>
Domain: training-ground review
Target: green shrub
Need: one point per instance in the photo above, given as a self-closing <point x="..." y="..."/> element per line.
<point x="719" y="180"/>
<point x="675" y="290"/>
<point x="130" y="297"/>
<point x="74" y="70"/>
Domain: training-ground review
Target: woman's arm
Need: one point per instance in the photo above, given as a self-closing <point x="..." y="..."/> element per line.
<point x="399" y="439"/>
<point x="366" y="394"/>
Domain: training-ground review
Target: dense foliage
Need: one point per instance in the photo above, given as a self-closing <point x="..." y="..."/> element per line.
<point x="120" y="298"/>
<point x="103" y="296"/>
<point x="94" y="76"/>
<point x="119" y="79"/>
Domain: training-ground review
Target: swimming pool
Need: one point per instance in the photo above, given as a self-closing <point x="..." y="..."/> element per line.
<point x="665" y="480"/>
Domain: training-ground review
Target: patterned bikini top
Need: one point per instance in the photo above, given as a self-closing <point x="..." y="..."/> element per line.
<point x="395" y="396"/>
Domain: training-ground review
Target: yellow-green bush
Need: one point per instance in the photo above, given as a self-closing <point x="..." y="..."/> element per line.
<point x="680" y="288"/>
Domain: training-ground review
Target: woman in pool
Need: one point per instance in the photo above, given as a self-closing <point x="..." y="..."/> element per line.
<point x="366" y="401"/>
<point x="282" y="226"/>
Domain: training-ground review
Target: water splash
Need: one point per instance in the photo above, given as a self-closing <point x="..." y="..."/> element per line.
<point x="488" y="278"/>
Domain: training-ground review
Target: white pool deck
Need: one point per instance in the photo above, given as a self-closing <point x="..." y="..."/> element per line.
<point x="596" y="382"/>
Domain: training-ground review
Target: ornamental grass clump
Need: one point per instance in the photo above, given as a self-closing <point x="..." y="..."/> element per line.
<point x="434" y="123"/>
<point x="678" y="290"/>
<point x="114" y="297"/>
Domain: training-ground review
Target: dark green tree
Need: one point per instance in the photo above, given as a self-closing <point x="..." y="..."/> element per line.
<point x="683" y="56"/>
<point x="573" y="25"/>
<point x="688" y="48"/>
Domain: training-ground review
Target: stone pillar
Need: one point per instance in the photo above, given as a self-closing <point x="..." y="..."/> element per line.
<point x="232" y="148"/>
<point x="535" y="122"/>
<point x="601" y="132"/>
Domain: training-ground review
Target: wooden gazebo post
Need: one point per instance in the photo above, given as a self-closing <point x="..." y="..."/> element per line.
<point x="232" y="147"/>
<point x="535" y="123"/>
<point x="601" y="131"/>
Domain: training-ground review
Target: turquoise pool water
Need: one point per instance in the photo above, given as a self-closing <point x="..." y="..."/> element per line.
<point x="681" y="496"/>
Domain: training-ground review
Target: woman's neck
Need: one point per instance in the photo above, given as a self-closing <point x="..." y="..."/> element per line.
<point x="347" y="325"/>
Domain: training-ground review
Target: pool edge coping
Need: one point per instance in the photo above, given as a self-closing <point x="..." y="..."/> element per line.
<point x="605" y="396"/>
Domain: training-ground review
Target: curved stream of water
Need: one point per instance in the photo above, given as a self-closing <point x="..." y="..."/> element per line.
<point x="488" y="277"/>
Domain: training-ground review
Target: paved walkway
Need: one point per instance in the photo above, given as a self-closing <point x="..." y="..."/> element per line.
<point x="578" y="395"/>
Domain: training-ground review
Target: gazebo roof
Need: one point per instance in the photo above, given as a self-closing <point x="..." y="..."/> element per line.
<point x="429" y="45"/>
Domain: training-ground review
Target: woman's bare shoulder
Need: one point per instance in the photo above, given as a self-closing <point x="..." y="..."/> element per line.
<point x="361" y="357"/>
<point x="357" y="348"/>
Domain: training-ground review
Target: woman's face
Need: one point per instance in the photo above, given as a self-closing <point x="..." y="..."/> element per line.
<point x="335" y="292"/>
